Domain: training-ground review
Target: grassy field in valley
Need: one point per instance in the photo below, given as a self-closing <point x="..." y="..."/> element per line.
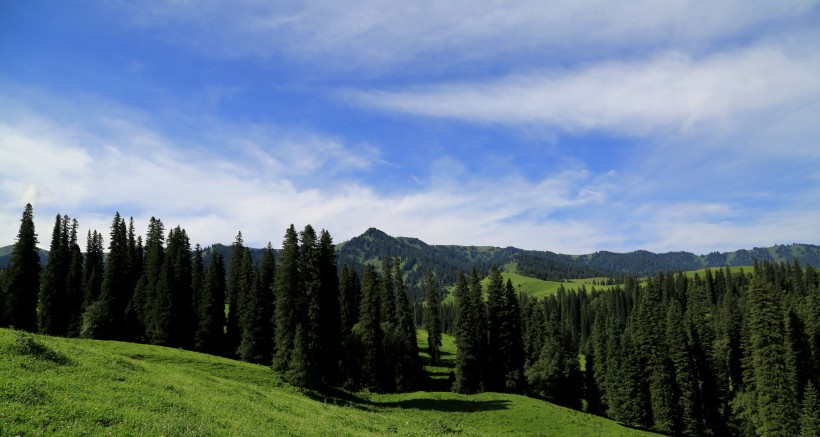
<point x="56" y="386"/>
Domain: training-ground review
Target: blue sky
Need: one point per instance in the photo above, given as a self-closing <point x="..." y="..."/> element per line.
<point x="570" y="126"/>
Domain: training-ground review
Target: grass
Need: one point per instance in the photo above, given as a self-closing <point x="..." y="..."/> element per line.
<point x="57" y="386"/>
<point x="538" y="288"/>
<point x="733" y="269"/>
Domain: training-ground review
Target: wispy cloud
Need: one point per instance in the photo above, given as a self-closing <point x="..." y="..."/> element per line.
<point x="383" y="35"/>
<point x="671" y="91"/>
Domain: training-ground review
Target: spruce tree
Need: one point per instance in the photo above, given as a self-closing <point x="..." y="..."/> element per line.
<point x="432" y="317"/>
<point x="496" y="372"/>
<point x="368" y="331"/>
<point x="689" y="417"/>
<point x="23" y="277"/>
<point x="350" y="296"/>
<point x="289" y="300"/>
<point x="350" y="300"/>
<point x="408" y="365"/>
<point x="144" y="302"/>
<point x="329" y="327"/>
<point x="234" y="292"/>
<point x="105" y="318"/>
<point x="210" y="335"/>
<point x="51" y="306"/>
<point x="810" y="415"/>
<point x="256" y="317"/>
<point x="468" y="339"/>
<point x="776" y="399"/>
<point x="74" y="286"/>
<point x="93" y="269"/>
<point x="182" y="324"/>
<point x="511" y="344"/>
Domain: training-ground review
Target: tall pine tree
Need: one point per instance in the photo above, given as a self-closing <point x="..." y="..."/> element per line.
<point x="432" y="317"/>
<point x="23" y="277"/>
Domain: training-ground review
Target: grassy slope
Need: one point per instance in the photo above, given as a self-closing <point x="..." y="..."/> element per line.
<point x="87" y="387"/>
<point x="538" y="288"/>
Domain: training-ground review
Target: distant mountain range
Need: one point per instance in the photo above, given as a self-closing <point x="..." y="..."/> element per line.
<point x="446" y="260"/>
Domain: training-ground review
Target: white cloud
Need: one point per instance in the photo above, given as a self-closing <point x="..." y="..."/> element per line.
<point x="376" y="34"/>
<point x="672" y="91"/>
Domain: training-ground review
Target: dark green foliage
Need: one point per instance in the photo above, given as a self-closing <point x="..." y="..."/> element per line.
<point x="289" y="300"/>
<point x="256" y="317"/>
<point x="469" y="336"/>
<point x="368" y="332"/>
<point x="776" y="400"/>
<point x="496" y="371"/>
<point x="55" y="307"/>
<point x="432" y="317"/>
<point x="329" y="323"/>
<point x="349" y="301"/>
<point x="106" y="316"/>
<point x="810" y="415"/>
<point x="145" y="301"/>
<point x="408" y="366"/>
<point x="511" y="342"/>
<point x="627" y="395"/>
<point x="22" y="280"/>
<point x="73" y="304"/>
<point x="234" y="291"/>
<point x="689" y="417"/>
<point x="210" y="335"/>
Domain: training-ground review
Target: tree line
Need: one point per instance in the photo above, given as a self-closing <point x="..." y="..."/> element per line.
<point x="313" y="324"/>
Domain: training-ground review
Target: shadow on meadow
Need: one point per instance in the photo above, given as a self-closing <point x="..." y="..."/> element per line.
<point x="342" y="398"/>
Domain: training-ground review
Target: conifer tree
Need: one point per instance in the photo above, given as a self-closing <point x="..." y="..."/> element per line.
<point x="93" y="269"/>
<point x="810" y="415"/>
<point x="74" y="286"/>
<point x="408" y="365"/>
<point x="496" y="372"/>
<point x="432" y="317"/>
<point x="23" y="277"/>
<point x="468" y="339"/>
<point x="197" y="278"/>
<point x="627" y="395"/>
<point x="234" y="293"/>
<point x="350" y="296"/>
<point x="256" y="317"/>
<point x="289" y="300"/>
<point x="369" y="332"/>
<point x="182" y="324"/>
<point x="210" y="335"/>
<point x="329" y="327"/>
<point x="349" y="300"/>
<point x="51" y="305"/>
<point x="776" y="400"/>
<point x="689" y="416"/>
<point x="144" y="302"/>
<point x="105" y="318"/>
<point x="511" y="344"/>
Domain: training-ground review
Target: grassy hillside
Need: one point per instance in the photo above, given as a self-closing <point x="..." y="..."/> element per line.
<point x="538" y="288"/>
<point x="62" y="386"/>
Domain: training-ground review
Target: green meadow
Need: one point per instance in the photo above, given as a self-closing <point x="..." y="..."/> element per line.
<point x="58" y="386"/>
<point x="538" y="288"/>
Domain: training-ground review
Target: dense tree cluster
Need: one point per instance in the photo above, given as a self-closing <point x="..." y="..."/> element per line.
<point x="725" y="354"/>
<point x="295" y="314"/>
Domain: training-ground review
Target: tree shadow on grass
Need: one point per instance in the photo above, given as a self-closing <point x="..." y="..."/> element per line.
<point x="339" y="397"/>
<point x="449" y="405"/>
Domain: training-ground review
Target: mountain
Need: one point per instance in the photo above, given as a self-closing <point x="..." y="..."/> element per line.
<point x="5" y="256"/>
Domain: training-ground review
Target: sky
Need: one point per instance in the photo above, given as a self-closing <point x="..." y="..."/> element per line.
<point x="569" y="126"/>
